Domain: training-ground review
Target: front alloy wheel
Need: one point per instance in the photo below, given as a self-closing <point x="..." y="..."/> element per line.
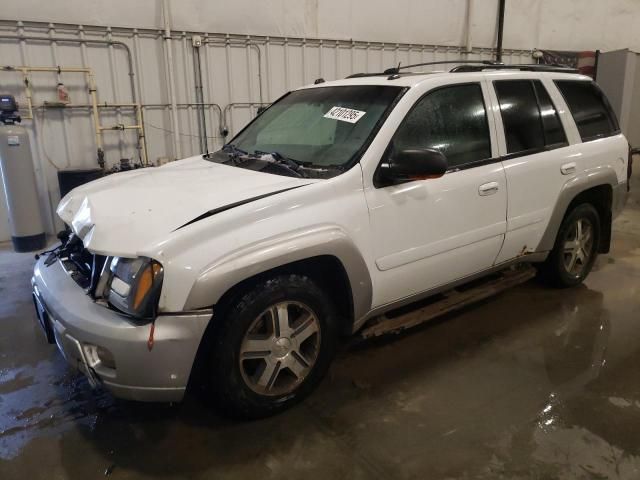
<point x="280" y="348"/>
<point x="272" y="344"/>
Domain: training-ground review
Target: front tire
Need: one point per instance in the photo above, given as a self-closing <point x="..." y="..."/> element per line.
<point x="273" y="346"/>
<point x="576" y="248"/>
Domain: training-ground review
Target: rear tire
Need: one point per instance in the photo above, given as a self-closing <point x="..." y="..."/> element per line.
<point x="575" y="250"/>
<point x="272" y="347"/>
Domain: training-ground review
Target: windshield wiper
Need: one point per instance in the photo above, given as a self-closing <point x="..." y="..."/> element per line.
<point x="276" y="158"/>
<point x="233" y="152"/>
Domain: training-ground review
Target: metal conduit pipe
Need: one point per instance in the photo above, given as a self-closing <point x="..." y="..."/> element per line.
<point x="177" y="150"/>
<point x="469" y="43"/>
<point x="501" y="8"/>
<point x="80" y="41"/>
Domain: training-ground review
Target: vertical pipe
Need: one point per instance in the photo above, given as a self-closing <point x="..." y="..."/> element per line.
<point x="469" y="42"/>
<point x="63" y="124"/>
<point x="116" y="92"/>
<point x="366" y="57"/>
<point x="304" y="63"/>
<point x="351" y="57"/>
<point x="172" y="86"/>
<point x="200" y="110"/>
<point x="247" y="51"/>
<point x="320" y="60"/>
<point x="337" y="59"/>
<point x="259" y="55"/>
<point x="227" y="51"/>
<point x="501" y="8"/>
<point x="187" y="82"/>
<point x="267" y="62"/>
<point x="209" y="82"/>
<point x="286" y="64"/>
<point x="140" y="80"/>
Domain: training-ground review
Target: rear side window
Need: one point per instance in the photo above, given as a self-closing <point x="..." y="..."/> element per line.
<point x="520" y="115"/>
<point x="553" y="132"/>
<point x="589" y="108"/>
<point x="530" y="120"/>
<point x="452" y="120"/>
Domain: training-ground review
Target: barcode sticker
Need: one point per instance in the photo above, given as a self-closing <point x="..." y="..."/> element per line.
<point x="344" y="114"/>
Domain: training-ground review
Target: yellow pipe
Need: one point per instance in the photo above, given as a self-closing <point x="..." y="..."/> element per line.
<point x="27" y="88"/>
<point x="141" y="136"/>
<point x="90" y="78"/>
<point x="119" y="127"/>
<point x="94" y="107"/>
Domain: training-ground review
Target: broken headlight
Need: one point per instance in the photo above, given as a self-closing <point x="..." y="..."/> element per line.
<point x="135" y="286"/>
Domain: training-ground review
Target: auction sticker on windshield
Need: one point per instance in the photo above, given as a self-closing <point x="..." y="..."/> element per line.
<point x="344" y="114"/>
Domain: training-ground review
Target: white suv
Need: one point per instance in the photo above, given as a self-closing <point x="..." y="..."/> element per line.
<point x="341" y="201"/>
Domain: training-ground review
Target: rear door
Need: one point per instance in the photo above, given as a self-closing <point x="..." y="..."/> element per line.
<point x="536" y="158"/>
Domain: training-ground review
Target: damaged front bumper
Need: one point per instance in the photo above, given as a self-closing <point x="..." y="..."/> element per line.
<point x="109" y="348"/>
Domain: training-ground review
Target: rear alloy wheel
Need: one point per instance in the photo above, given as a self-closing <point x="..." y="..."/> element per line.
<point x="272" y="346"/>
<point x="576" y="248"/>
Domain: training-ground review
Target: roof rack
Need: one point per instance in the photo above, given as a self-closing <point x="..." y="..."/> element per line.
<point x="532" y="67"/>
<point x="397" y="69"/>
<point x="472" y="66"/>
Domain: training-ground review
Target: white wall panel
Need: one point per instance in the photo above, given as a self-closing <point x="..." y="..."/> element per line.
<point x="240" y="73"/>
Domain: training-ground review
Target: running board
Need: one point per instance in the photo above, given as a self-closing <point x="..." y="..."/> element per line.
<point x="449" y="301"/>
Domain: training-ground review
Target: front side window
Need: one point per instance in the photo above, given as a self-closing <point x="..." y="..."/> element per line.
<point x="589" y="108"/>
<point x="315" y="132"/>
<point x="452" y="120"/>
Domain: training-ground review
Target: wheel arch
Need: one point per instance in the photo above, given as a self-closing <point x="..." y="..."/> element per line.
<point x="596" y="188"/>
<point x="324" y="253"/>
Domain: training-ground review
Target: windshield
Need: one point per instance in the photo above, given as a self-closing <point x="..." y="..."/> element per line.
<point x="315" y="132"/>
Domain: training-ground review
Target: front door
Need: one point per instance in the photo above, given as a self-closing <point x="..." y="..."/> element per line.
<point x="428" y="233"/>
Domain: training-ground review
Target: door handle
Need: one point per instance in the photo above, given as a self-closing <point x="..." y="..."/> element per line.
<point x="568" y="168"/>
<point x="488" y="188"/>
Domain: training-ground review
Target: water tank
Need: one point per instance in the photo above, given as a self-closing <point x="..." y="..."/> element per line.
<point x="18" y="178"/>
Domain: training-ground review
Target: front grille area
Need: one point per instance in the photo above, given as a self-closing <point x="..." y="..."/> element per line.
<point x="84" y="267"/>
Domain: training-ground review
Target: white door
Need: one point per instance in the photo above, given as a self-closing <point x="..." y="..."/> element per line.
<point x="538" y="157"/>
<point x="427" y="233"/>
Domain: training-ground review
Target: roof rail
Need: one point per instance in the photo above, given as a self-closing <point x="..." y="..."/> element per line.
<point x="397" y="69"/>
<point x="475" y="66"/>
<point x="533" y="67"/>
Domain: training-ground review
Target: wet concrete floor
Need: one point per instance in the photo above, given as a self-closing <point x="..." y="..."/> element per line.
<point x="534" y="383"/>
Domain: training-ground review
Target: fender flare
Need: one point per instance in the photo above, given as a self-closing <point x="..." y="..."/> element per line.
<point x="229" y="270"/>
<point x="574" y="187"/>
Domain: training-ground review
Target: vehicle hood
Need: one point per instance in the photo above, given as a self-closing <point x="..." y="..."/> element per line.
<point x="123" y="213"/>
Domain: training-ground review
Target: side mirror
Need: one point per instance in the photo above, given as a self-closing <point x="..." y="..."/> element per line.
<point x="411" y="164"/>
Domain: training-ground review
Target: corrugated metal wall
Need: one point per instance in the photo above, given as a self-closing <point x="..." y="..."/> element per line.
<point x="239" y="74"/>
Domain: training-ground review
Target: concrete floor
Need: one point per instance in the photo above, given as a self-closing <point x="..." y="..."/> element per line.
<point x="534" y="383"/>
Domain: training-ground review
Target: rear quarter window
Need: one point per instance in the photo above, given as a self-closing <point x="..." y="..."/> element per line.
<point x="590" y="109"/>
